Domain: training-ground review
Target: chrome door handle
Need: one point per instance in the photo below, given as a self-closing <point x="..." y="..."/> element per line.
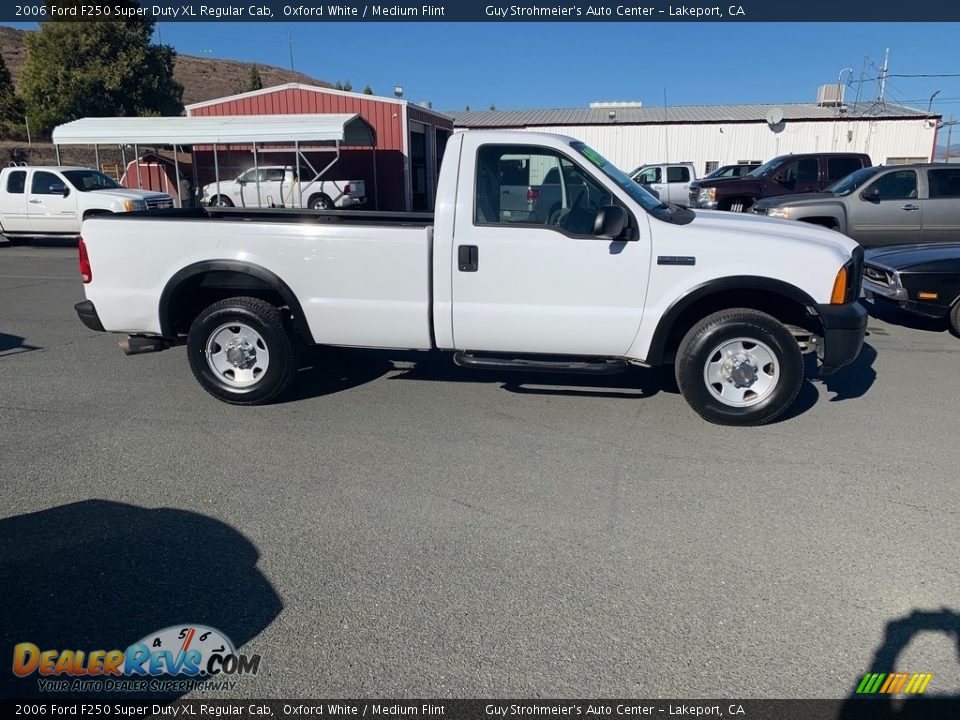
<point x="36" y="202"/>
<point x="910" y="206"/>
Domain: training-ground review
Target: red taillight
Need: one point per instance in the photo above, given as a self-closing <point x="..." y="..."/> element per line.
<point x="532" y="194"/>
<point x="347" y="189"/>
<point x="85" y="270"/>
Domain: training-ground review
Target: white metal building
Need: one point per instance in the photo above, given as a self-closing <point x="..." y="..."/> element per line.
<point x="713" y="135"/>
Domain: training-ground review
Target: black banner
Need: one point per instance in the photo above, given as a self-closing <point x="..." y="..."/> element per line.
<point x="603" y="11"/>
<point x="849" y="709"/>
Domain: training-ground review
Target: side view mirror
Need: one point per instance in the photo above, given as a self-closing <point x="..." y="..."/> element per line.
<point x="241" y="181"/>
<point x="610" y="222"/>
<point x="59" y="189"/>
<point x="871" y="193"/>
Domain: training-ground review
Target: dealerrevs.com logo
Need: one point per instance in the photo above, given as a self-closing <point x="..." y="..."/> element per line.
<point x="177" y="658"/>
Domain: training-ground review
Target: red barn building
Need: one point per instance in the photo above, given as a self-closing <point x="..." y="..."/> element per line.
<point x="410" y="140"/>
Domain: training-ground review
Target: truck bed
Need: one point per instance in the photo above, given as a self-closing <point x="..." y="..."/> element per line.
<point x="291" y="215"/>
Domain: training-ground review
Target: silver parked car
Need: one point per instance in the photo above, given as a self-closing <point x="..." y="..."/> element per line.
<point x="885" y="205"/>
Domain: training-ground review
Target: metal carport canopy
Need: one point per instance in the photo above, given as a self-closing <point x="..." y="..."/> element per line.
<point x="343" y="129"/>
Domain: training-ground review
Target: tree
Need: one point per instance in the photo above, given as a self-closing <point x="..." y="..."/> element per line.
<point x="11" y="109"/>
<point x="367" y="90"/>
<point x="253" y="81"/>
<point x="345" y="86"/>
<point x="77" y="69"/>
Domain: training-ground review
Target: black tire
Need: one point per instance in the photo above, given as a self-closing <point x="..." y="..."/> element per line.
<point x="275" y="344"/>
<point x="320" y="202"/>
<point x="955" y="319"/>
<point x="220" y="201"/>
<point x="770" y="339"/>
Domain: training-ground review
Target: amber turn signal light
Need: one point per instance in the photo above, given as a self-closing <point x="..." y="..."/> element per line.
<point x="839" y="293"/>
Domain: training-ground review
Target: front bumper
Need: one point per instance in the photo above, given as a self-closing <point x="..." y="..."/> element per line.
<point x="88" y="315"/>
<point x="844" y="327"/>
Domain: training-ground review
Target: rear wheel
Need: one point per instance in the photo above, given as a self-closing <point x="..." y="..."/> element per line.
<point x="739" y="367"/>
<point x="241" y="352"/>
<point x="320" y="202"/>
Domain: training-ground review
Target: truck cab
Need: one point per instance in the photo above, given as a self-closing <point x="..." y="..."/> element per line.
<point x="53" y="201"/>
<point x="670" y="181"/>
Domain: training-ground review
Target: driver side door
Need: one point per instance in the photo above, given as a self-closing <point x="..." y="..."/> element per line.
<point x="49" y="211"/>
<point x="544" y="283"/>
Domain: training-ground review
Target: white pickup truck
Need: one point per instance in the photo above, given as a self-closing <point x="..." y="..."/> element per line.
<point x="54" y="201"/>
<point x="278" y="186"/>
<point x="615" y="278"/>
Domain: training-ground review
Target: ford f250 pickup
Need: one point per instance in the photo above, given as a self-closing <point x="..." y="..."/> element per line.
<point x="613" y="279"/>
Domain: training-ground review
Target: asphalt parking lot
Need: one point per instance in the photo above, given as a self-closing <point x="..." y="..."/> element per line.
<point x="401" y="527"/>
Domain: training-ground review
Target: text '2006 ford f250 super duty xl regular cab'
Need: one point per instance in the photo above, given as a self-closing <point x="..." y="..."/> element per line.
<point x="615" y="278"/>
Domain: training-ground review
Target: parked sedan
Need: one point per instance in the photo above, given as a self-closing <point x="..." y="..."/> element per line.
<point x="882" y="205"/>
<point x="923" y="279"/>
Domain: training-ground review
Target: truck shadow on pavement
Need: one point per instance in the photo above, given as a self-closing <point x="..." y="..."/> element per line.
<point x="332" y="370"/>
<point x="14" y="345"/>
<point x="936" y="701"/>
<point x="101" y="575"/>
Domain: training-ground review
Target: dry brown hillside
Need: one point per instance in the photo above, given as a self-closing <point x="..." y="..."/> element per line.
<point x="202" y="78"/>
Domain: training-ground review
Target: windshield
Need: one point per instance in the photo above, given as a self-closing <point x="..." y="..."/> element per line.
<point x="768" y="166"/>
<point x="647" y="201"/>
<point x="846" y="185"/>
<point x="87" y="180"/>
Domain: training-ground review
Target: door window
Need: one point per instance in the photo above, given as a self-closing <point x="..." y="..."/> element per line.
<point x="678" y="174"/>
<point x="43" y="182"/>
<point x="899" y="185"/>
<point x="17" y="182"/>
<point x="551" y="190"/>
<point x="840" y="167"/>
<point x="648" y="176"/>
<point x="274" y="174"/>
<point x="944" y="183"/>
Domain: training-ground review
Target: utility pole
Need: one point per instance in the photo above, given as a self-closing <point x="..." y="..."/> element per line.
<point x="883" y="73"/>
<point x="949" y="137"/>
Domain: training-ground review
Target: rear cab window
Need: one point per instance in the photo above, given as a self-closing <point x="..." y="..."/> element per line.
<point x="17" y="182"/>
<point x="944" y="183"/>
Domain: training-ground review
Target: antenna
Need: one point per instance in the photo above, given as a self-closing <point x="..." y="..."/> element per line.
<point x="290" y="43"/>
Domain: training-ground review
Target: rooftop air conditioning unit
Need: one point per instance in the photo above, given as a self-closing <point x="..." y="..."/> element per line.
<point x="830" y="96"/>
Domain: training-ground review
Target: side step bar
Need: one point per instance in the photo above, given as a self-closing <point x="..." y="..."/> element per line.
<point x="136" y="344"/>
<point x="596" y="366"/>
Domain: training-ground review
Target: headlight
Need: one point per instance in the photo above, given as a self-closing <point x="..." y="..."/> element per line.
<point x="707" y="195"/>
<point x="134" y="205"/>
<point x="779" y="213"/>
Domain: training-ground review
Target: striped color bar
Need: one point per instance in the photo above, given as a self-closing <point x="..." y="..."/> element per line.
<point x="894" y="683"/>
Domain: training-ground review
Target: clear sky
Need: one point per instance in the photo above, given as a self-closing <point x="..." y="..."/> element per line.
<point x="543" y="65"/>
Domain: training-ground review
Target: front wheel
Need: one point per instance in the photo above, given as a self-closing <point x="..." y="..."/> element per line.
<point x="955" y="319"/>
<point x="739" y="367"/>
<point x="241" y="352"/>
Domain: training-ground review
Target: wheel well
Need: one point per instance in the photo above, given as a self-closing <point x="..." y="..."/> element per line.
<point x="787" y="310"/>
<point x="316" y="195"/>
<point x="92" y="213"/>
<point x="185" y="300"/>
<point x="827" y="222"/>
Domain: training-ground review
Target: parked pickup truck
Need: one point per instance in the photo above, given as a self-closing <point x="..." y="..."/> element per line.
<point x="616" y="279"/>
<point x="784" y="175"/>
<point x="882" y="205"/>
<point x="279" y="187"/>
<point x="53" y="201"/>
<point x="669" y="181"/>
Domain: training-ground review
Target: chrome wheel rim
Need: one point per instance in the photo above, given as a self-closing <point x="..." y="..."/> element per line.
<point x="741" y="372"/>
<point x="237" y="355"/>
